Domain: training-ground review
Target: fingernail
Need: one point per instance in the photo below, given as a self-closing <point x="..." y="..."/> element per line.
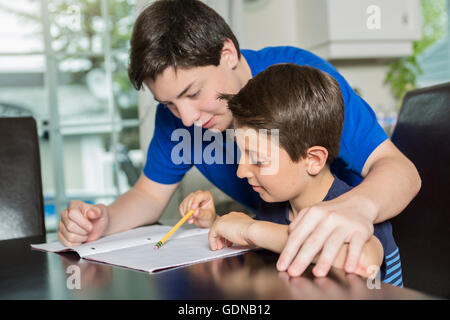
<point x="294" y="271"/>
<point x="320" y="271"/>
<point x="350" y="267"/>
<point x="281" y="266"/>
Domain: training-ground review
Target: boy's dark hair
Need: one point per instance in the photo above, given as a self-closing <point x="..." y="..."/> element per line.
<point x="303" y="103"/>
<point x="179" y="34"/>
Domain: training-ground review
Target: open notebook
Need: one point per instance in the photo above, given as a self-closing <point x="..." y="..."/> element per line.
<point x="133" y="249"/>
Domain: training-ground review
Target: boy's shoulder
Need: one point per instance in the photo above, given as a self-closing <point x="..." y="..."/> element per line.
<point x="260" y="60"/>
<point x="279" y="52"/>
<point x="339" y="187"/>
<point x="278" y="212"/>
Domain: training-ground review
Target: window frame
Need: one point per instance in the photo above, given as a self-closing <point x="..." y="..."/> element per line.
<point x="58" y="129"/>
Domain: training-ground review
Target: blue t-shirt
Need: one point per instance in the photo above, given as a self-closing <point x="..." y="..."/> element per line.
<point x="360" y="137"/>
<point x="390" y="270"/>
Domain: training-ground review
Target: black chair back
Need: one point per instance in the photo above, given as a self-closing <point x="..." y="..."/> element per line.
<point x="422" y="231"/>
<point x="21" y="202"/>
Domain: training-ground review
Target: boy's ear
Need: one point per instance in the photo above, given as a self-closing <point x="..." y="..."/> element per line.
<point x="316" y="159"/>
<point x="230" y="55"/>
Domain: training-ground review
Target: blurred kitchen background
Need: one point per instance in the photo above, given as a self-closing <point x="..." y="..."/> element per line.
<point x="64" y="62"/>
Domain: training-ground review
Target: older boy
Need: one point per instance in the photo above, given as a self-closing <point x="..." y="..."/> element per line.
<point x="186" y="54"/>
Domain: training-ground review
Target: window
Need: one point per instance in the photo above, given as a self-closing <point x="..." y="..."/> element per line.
<point x="65" y="63"/>
<point x="434" y="49"/>
<point x="429" y="63"/>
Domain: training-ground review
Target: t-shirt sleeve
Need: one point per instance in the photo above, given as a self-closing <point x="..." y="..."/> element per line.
<point x="362" y="133"/>
<point x="159" y="166"/>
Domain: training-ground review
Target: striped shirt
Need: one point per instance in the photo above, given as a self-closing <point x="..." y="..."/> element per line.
<point x="390" y="269"/>
<point x="393" y="269"/>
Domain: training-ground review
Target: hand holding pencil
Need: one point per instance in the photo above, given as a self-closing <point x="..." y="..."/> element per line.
<point x="198" y="208"/>
<point x="202" y="203"/>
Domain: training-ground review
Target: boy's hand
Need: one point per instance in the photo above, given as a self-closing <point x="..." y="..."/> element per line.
<point x="203" y="204"/>
<point x="230" y="229"/>
<point x="82" y="222"/>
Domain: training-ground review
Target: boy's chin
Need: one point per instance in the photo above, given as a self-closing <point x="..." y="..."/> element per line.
<point x="269" y="198"/>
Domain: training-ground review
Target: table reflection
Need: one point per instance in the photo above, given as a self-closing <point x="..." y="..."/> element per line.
<point x="92" y="275"/>
<point x="254" y="276"/>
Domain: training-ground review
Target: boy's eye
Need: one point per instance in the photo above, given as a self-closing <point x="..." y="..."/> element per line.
<point x="171" y="107"/>
<point x="259" y="162"/>
<point x="194" y="95"/>
<point x="262" y="161"/>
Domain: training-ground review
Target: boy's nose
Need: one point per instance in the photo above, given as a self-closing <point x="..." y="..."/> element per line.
<point x="188" y="113"/>
<point x="244" y="171"/>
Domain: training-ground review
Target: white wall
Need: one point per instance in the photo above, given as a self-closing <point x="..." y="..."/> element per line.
<point x="275" y="22"/>
<point x="269" y="23"/>
<point x="368" y="77"/>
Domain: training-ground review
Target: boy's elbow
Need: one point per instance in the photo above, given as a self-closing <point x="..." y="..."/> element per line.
<point x="371" y="258"/>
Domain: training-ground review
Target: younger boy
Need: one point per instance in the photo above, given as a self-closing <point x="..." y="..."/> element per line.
<point x="305" y="107"/>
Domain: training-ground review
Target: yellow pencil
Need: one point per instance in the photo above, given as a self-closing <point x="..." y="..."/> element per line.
<point x="175" y="228"/>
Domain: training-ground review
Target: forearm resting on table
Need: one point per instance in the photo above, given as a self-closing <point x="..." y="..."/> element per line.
<point x="273" y="237"/>
<point x="139" y="206"/>
<point x="131" y="210"/>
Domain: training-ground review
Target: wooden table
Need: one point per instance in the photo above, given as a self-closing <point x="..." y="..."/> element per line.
<point x="30" y="274"/>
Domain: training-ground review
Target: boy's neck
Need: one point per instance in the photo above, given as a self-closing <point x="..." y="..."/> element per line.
<point x="314" y="191"/>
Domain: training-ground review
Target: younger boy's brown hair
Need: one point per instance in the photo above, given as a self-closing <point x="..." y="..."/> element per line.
<point x="178" y="34"/>
<point x="303" y="103"/>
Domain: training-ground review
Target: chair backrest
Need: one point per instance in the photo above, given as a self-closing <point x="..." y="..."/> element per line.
<point x="21" y="202"/>
<point x="422" y="231"/>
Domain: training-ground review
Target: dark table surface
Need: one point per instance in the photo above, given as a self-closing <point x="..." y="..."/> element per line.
<point x="30" y="274"/>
